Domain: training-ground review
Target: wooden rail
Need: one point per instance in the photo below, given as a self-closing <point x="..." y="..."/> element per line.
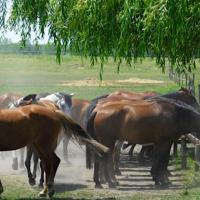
<point x="194" y="141"/>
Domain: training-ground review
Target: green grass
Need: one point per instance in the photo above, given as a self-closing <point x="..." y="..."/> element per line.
<point x="34" y="74"/>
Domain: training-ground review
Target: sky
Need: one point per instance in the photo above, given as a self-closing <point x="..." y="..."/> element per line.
<point x="14" y="37"/>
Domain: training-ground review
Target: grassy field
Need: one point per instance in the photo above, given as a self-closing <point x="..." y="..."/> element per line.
<point x="34" y="74"/>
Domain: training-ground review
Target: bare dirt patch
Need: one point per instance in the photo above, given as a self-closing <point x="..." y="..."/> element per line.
<point x="76" y="179"/>
<point x="95" y="82"/>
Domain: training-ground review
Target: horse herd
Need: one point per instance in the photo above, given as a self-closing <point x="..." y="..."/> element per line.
<point x="39" y="121"/>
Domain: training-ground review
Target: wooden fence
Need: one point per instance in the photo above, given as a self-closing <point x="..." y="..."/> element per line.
<point x="187" y="81"/>
<point x="184" y="79"/>
<point x="194" y="141"/>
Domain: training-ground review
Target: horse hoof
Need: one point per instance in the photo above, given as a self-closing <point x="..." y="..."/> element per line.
<point x="112" y="185"/>
<point x="51" y="193"/>
<point x="98" y="186"/>
<point x="32" y="181"/>
<point x="42" y="194"/>
<point x="160" y="185"/>
<point x="103" y="181"/>
<point x="118" y="173"/>
<point x="15" y="164"/>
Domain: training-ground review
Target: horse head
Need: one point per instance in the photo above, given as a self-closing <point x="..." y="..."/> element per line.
<point x="187" y="97"/>
<point x="64" y="101"/>
<point x="27" y="100"/>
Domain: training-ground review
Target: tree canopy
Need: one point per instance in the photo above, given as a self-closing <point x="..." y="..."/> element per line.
<point x="122" y="29"/>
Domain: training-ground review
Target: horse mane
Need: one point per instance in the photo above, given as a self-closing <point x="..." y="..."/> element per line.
<point x="175" y="102"/>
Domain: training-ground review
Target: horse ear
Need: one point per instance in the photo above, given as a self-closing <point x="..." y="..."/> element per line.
<point x="30" y="97"/>
<point x="185" y="90"/>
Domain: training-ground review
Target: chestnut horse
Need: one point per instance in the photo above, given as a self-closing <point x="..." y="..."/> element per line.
<point x="53" y="101"/>
<point x="108" y="113"/>
<point x="39" y="126"/>
<point x="5" y="101"/>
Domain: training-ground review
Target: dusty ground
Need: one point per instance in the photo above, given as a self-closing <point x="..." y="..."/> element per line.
<point x="96" y="82"/>
<point x="135" y="176"/>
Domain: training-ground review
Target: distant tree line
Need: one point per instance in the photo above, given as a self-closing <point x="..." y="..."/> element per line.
<point x="7" y="46"/>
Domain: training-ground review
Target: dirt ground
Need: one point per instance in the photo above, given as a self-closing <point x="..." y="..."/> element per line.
<point x="96" y="82"/>
<point x="74" y="177"/>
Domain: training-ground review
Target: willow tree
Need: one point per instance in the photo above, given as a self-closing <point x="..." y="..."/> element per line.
<point x="122" y="29"/>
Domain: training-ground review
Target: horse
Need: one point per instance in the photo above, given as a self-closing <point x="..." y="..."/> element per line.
<point x="53" y="101"/>
<point x="110" y="114"/>
<point x="40" y="126"/>
<point x="182" y="94"/>
<point x="115" y="96"/>
<point x="5" y="101"/>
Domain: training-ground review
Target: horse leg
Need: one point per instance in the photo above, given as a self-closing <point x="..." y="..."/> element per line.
<point x="35" y="161"/>
<point x="56" y="162"/>
<point x="109" y="171"/>
<point x="29" y="153"/>
<point x="117" y="151"/>
<point x="41" y="175"/>
<point x="50" y="162"/>
<point x="96" y="172"/>
<point x="160" y="162"/>
<point x="15" y="160"/>
<point x="1" y="187"/>
<point x="166" y="171"/>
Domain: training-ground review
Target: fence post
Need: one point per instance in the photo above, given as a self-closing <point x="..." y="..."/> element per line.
<point x="183" y="153"/>
<point x="186" y="80"/>
<point x="197" y="157"/>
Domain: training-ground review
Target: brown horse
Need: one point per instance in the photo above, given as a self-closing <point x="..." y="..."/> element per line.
<point x="140" y="122"/>
<point x="39" y="126"/>
<point x="78" y="111"/>
<point x="5" y="101"/>
<point x="115" y="96"/>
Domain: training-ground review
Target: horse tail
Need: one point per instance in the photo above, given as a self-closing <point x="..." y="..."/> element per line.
<point x="90" y="130"/>
<point x="89" y="158"/>
<point x="78" y="133"/>
<point x="91" y="107"/>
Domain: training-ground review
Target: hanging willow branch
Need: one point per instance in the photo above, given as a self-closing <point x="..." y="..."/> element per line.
<point x="122" y="29"/>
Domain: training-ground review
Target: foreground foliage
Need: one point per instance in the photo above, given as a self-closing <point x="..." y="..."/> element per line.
<point x="123" y="29"/>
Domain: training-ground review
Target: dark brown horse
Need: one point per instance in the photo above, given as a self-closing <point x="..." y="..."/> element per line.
<point x="140" y="122"/>
<point x="39" y="126"/>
